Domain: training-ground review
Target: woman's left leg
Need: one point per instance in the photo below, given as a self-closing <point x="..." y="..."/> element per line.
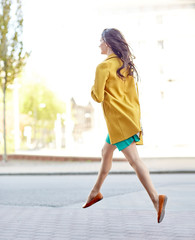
<point x="106" y="164"/>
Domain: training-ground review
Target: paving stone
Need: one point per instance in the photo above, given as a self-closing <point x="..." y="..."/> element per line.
<point x="62" y="223"/>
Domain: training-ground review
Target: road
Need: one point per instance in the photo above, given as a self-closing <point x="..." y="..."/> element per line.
<point x="64" y="191"/>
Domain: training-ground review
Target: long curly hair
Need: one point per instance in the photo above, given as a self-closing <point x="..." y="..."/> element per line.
<point x="116" y="41"/>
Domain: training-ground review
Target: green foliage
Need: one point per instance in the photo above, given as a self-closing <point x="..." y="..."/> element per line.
<point x="38" y="101"/>
<point x="12" y="56"/>
<point x="41" y="106"/>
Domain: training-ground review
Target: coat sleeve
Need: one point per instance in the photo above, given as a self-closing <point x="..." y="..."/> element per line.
<point x="101" y="76"/>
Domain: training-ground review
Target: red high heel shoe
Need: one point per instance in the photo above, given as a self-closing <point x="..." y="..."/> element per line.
<point x="162" y="204"/>
<point x="97" y="198"/>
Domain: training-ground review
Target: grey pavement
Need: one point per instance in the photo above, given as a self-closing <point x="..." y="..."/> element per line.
<point x="120" y="215"/>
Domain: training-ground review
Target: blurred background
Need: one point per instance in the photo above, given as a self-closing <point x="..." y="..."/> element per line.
<point x="49" y="107"/>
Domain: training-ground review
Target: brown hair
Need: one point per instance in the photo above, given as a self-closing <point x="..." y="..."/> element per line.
<point x="116" y="41"/>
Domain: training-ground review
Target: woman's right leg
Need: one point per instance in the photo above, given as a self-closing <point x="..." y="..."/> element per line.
<point x="142" y="172"/>
<point x="106" y="164"/>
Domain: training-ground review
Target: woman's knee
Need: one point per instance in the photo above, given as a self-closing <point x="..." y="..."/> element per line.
<point x="132" y="161"/>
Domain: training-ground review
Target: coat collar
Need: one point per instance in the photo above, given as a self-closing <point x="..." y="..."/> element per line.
<point x="113" y="55"/>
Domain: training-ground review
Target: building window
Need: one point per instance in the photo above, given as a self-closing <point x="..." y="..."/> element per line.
<point x="159" y="19"/>
<point x="160" y="44"/>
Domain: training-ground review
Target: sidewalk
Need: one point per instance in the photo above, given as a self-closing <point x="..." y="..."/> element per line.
<point x="155" y="165"/>
<point x="130" y="216"/>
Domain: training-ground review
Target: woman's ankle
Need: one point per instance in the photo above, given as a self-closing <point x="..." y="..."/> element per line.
<point x="94" y="191"/>
<point x="155" y="201"/>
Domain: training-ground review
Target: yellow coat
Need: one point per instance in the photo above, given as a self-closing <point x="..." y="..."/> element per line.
<point x="119" y="100"/>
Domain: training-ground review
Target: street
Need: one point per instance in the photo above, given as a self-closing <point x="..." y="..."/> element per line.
<point x="63" y="191"/>
<point x="60" y="191"/>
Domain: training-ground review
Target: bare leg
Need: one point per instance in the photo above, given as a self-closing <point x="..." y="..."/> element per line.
<point x="106" y="164"/>
<point x="142" y="172"/>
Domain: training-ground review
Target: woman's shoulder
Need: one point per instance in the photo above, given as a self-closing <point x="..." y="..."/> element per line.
<point x="113" y="60"/>
<point x="109" y="63"/>
<point x="103" y="65"/>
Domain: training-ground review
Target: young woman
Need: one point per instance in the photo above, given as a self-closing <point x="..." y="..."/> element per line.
<point x="115" y="88"/>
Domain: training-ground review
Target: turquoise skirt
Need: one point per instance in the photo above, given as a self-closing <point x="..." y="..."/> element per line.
<point x="125" y="143"/>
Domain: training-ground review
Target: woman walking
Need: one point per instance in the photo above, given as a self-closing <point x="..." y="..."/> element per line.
<point x="115" y="88"/>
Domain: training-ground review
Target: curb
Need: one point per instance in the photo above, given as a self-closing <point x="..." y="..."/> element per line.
<point x="95" y="173"/>
<point x="36" y="157"/>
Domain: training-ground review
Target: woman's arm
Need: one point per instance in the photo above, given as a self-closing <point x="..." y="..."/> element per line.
<point x="101" y="76"/>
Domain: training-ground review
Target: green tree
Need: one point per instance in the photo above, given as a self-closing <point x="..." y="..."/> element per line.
<point x="42" y="106"/>
<point x="12" y="56"/>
